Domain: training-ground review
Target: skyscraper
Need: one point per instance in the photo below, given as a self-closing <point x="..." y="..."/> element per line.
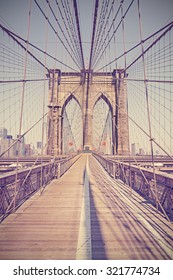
<point x="133" y="149"/>
<point x="3" y="133"/>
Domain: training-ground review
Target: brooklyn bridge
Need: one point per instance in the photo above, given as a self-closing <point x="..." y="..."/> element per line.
<point x="86" y="130"/>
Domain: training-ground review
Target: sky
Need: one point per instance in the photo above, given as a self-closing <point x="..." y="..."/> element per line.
<point x="154" y="13"/>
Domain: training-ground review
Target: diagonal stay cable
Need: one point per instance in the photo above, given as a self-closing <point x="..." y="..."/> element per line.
<point x="13" y="35"/>
<point x="22" y="135"/>
<point x="169" y="25"/>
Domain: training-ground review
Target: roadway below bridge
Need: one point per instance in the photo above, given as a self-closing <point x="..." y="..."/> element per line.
<point x="85" y="214"/>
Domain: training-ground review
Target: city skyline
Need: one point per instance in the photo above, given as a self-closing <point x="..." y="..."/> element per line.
<point x="25" y="149"/>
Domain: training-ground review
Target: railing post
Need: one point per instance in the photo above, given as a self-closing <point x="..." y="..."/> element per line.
<point x="3" y="200"/>
<point x="56" y="171"/>
<point x="113" y="170"/>
<point x="38" y="180"/>
<point x="59" y="170"/>
<point x="132" y="179"/>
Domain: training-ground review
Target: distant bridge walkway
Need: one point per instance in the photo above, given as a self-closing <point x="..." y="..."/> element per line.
<point x="85" y="214"/>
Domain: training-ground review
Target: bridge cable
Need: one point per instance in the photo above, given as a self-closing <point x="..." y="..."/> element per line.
<point x="102" y="38"/>
<point x="13" y="35"/>
<point x="74" y="29"/>
<point x="68" y="43"/>
<point x="119" y="24"/>
<point x="147" y="103"/>
<point x="43" y="105"/>
<point x="70" y="20"/>
<point x="169" y="25"/>
<point x="23" y="182"/>
<point x="79" y="33"/>
<point x="147" y="181"/>
<point x="147" y="134"/>
<point x="73" y="42"/>
<point x="71" y="25"/>
<point x="124" y="81"/>
<point x="22" y="135"/>
<point x="100" y="26"/>
<point x="90" y="62"/>
<point x="56" y="33"/>
<point x="22" y="105"/>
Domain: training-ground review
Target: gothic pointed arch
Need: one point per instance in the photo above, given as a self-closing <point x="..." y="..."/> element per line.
<point x="102" y="125"/>
<point x="67" y="100"/>
<point x="108" y="102"/>
<point x="71" y="125"/>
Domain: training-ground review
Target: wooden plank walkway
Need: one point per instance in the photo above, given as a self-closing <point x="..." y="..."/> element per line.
<point x="86" y="214"/>
<point x="125" y="226"/>
<point x="46" y="226"/>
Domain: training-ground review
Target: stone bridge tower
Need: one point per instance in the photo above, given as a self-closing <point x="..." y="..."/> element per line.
<point x="110" y="86"/>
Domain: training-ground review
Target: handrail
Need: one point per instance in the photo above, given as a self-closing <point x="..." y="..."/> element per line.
<point x="141" y="180"/>
<point x="29" y="181"/>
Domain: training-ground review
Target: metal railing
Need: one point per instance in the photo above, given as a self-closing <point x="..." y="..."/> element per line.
<point x="14" y="192"/>
<point x="141" y="180"/>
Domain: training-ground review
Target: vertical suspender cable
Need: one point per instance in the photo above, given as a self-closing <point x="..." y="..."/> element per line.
<point x="22" y="104"/>
<point x="125" y="64"/>
<point x="43" y="109"/>
<point x="148" y="107"/>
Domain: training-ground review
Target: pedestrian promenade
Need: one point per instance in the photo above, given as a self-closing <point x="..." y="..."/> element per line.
<point x="85" y="214"/>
